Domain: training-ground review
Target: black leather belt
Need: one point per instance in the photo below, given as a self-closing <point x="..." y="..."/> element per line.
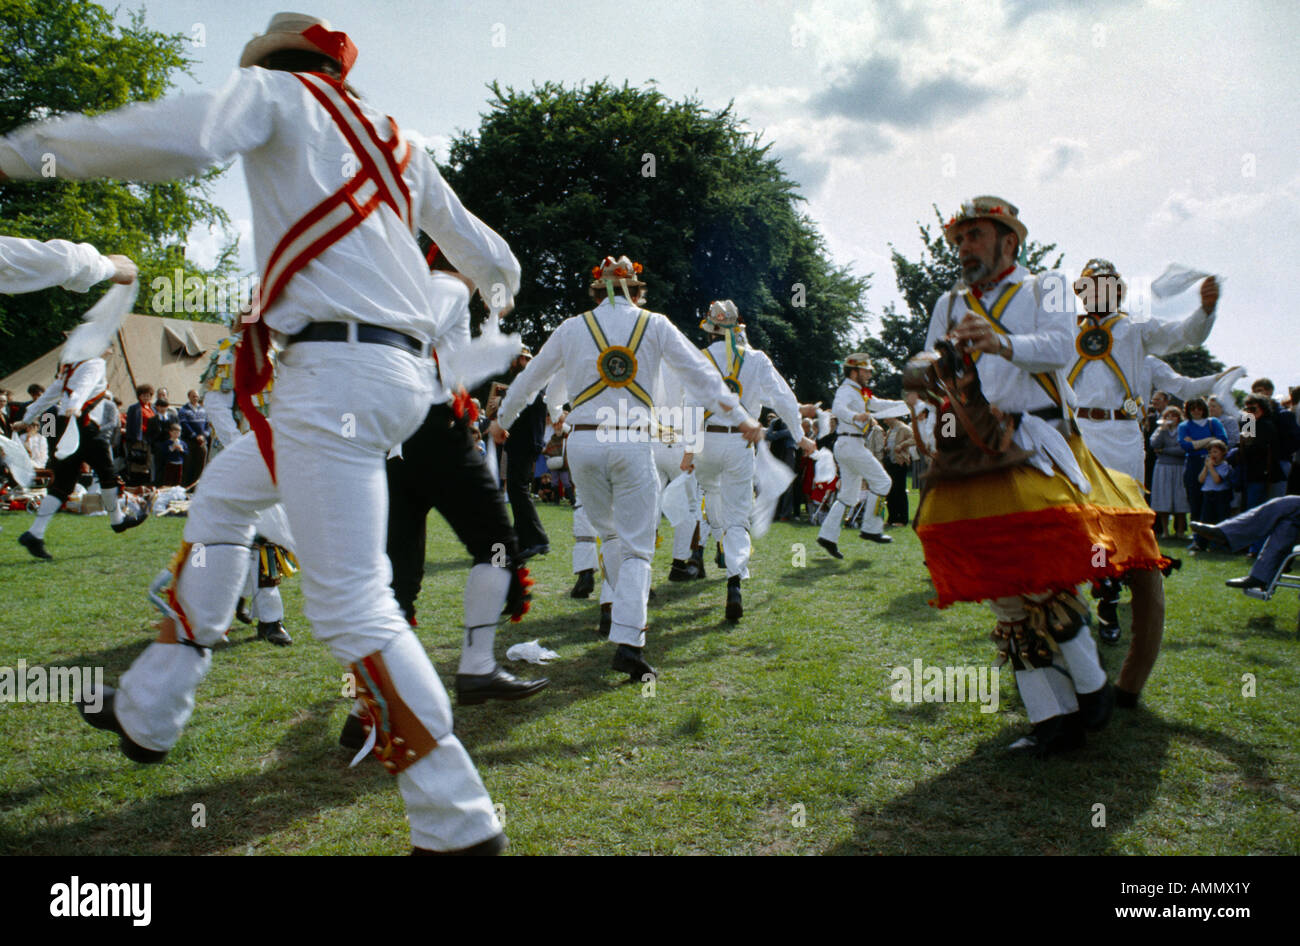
<point x="369" y="334"/>
<point x="859" y="436"/>
<point x="720" y="429"/>
<point x="578" y="428"/>
<point x="1047" y="413"/>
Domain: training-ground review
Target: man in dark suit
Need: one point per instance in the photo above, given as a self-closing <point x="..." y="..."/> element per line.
<point x="528" y="438"/>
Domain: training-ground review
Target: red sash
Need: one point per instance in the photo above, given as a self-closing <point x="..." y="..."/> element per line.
<point x="378" y="183"/>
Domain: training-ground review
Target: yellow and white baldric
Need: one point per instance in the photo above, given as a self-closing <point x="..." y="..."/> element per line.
<point x="994" y="317"/>
<point x="1097" y="343"/>
<point x="723" y="318"/>
<point x="616" y="364"/>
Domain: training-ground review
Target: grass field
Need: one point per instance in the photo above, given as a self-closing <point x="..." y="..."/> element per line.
<point x="778" y="735"/>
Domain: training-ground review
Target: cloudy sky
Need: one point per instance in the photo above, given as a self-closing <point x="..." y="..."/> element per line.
<point x="1144" y="131"/>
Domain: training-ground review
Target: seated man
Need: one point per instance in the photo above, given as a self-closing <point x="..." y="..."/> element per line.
<point x="1276" y="522"/>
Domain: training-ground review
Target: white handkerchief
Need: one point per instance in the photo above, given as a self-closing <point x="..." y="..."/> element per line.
<point x="1176" y="279"/>
<point x="70" y="440"/>
<point x="679" y="500"/>
<point x="531" y="651"/>
<point x="19" y="462"/>
<point x="771" y="479"/>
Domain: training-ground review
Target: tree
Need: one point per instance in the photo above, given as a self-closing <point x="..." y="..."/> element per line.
<point x="568" y="175"/>
<point x="902" y="334"/>
<point x="1194" y="362"/>
<point x="70" y="56"/>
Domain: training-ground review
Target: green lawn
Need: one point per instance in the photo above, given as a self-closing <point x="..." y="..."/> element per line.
<point x="774" y="736"/>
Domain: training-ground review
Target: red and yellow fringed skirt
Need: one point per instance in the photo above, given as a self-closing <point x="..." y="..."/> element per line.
<point x="1018" y="532"/>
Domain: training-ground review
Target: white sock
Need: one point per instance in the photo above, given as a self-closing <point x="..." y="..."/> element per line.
<point x="1080" y="653"/>
<point x="49" y="506"/>
<point x="109" y="501"/>
<point x="485" y="597"/>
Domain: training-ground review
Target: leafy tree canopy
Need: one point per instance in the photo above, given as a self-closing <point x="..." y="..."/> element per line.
<point x="569" y="175"/>
<point x="71" y="56"/>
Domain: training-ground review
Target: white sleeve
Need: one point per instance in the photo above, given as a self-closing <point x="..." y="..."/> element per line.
<point x="29" y="265"/>
<point x="1049" y="346"/>
<point x="469" y="244"/>
<point x="47" y="399"/>
<point x="1168" y="336"/>
<point x="777" y="395"/>
<point x="843" y="407"/>
<point x="532" y="379"/>
<point x="700" y="380"/>
<point x="166" y="140"/>
<point x="939" y="326"/>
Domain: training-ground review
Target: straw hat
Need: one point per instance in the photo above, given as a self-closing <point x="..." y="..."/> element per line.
<point x="987" y="208"/>
<point x="300" y="31"/>
<point x="722" y="315"/>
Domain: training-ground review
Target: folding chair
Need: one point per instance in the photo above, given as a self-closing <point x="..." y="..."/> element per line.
<point x="1280" y="580"/>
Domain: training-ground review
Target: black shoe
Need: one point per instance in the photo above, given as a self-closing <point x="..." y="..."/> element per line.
<point x="273" y="632"/>
<point x="1245" y="584"/>
<point x="606" y="620"/>
<point x="490" y="848"/>
<point x="1210" y="533"/>
<point x="830" y="546"/>
<point x="1125" y="700"/>
<point x="628" y="659"/>
<point x="104" y="718"/>
<point x="735" y="609"/>
<point x="526" y="554"/>
<point x="697" y="562"/>
<point x="241" y="612"/>
<point x="472" y="689"/>
<point x="1109" y="633"/>
<point x="354" y="734"/>
<point x="1097" y="707"/>
<point x="130" y="522"/>
<point x="1051" y="736"/>
<point x="34" y="545"/>
<point x="681" y="571"/>
<point x="585" y="585"/>
<point x="719" y="559"/>
<point x="876" y="537"/>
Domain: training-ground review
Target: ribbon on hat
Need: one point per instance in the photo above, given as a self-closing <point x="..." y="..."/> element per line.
<point x="333" y="43"/>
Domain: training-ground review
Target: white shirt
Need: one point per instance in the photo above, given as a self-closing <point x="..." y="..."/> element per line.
<point x="29" y="265"/>
<point x="1096" y="384"/>
<point x="761" y="385"/>
<point x="573" y="351"/>
<point x="88" y="379"/>
<point x="294" y="157"/>
<point x="849" y="402"/>
<point x="1041" y="331"/>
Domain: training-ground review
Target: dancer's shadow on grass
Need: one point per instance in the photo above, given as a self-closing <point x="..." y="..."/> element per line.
<point x="993" y="803"/>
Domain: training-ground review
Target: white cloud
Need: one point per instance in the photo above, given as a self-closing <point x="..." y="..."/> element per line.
<point x="1181" y="206"/>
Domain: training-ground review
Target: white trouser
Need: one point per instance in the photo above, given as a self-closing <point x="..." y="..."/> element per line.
<point x="857" y="463"/>
<point x="1117" y="445"/>
<point x="264" y="604"/>
<point x="668" y="463"/>
<point x="620" y="491"/>
<point x="1051" y="691"/>
<point x="339" y="408"/>
<point x="725" y="469"/>
<point x="584" y="537"/>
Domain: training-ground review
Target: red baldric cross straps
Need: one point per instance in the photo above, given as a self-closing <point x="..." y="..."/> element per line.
<point x="377" y="183"/>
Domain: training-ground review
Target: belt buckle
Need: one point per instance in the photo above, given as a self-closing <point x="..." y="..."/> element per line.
<point x="1130" y="407"/>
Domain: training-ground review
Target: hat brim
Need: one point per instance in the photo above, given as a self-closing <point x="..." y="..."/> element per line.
<point x="259" y="47"/>
<point x="633" y="283"/>
<point x="1020" y="229"/>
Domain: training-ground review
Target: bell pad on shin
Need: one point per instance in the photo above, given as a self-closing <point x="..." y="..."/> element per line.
<point x="401" y="739"/>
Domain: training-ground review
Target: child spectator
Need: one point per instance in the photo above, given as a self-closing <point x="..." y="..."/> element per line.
<point x="174" y="454"/>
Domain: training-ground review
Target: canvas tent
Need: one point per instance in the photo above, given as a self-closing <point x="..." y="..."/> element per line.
<point x="148" y="349"/>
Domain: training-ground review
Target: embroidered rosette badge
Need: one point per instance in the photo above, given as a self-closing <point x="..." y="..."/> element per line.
<point x="617" y="366"/>
<point x="734" y="386"/>
<point x="1094" y="342"/>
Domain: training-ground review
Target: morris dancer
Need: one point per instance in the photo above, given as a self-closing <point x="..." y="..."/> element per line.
<point x="1012" y="513"/>
<point x="345" y="282"/>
